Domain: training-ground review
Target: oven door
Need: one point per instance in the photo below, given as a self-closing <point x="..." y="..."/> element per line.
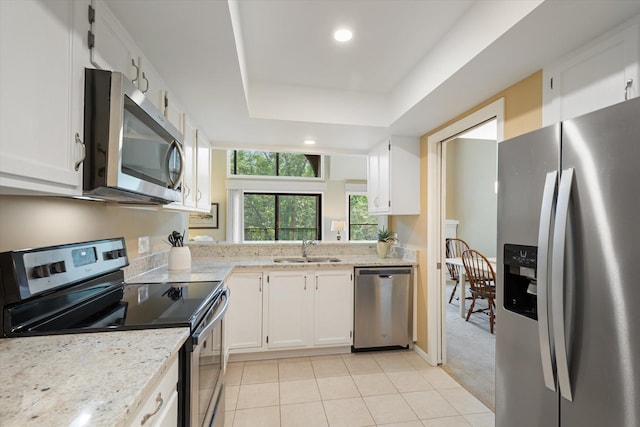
<point x="206" y="397"/>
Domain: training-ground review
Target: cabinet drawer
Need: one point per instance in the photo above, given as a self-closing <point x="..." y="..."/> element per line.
<point x="159" y="408"/>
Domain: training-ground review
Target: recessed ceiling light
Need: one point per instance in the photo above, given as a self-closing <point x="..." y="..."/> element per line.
<point x="343" y="35"/>
<point x="309" y="142"/>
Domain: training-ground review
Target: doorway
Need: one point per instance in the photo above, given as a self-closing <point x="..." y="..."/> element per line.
<point x="470" y="203"/>
<point x="437" y="293"/>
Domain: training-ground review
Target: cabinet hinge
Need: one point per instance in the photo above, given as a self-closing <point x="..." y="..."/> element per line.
<point x="166" y="101"/>
<point x="267" y="278"/>
<point x="91" y="40"/>
<point x="389" y="203"/>
<point x="351" y="277"/>
<point x="267" y="339"/>
<point x="389" y="146"/>
<point x="92" y="14"/>
<point x="438" y="265"/>
<point x="350" y="334"/>
<point x="551" y="83"/>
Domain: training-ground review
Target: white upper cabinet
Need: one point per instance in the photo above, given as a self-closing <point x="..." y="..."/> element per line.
<point x="203" y="172"/>
<point x="393" y="177"/>
<point x="599" y="74"/>
<point x="151" y="84"/>
<point x="189" y="173"/>
<point x="196" y="178"/>
<point x="41" y="99"/>
<point x="110" y="47"/>
<point x="172" y="109"/>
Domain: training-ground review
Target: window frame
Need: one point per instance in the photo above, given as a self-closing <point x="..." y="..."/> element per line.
<point x="319" y="212"/>
<point x="382" y="219"/>
<point x="321" y="167"/>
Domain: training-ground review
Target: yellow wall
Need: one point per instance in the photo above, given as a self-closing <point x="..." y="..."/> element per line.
<point x="523" y="113"/>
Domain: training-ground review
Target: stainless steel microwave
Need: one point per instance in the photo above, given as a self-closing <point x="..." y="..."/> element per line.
<point x="133" y="153"/>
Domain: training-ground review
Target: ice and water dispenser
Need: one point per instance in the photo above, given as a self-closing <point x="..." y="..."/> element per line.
<point x="520" y="286"/>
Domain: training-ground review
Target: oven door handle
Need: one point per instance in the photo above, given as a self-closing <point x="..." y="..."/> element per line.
<point x="221" y="311"/>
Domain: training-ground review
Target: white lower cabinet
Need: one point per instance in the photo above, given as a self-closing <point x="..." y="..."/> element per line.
<point x="333" y="308"/>
<point x="244" y="315"/>
<point x="290" y="309"/>
<point x="160" y="407"/>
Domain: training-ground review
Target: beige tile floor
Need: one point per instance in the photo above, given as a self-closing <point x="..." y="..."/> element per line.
<point x="359" y="389"/>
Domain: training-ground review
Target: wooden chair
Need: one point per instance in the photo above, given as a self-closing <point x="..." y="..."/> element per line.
<point x="454" y="249"/>
<point x="482" y="280"/>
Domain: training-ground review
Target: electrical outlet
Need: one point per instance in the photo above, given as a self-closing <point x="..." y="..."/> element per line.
<point x="143" y="245"/>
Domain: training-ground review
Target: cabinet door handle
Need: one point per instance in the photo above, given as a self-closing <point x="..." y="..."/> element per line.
<point x="84" y="152"/>
<point x="133" y="62"/>
<point x="146" y="88"/>
<point x="305" y="283"/>
<point x="159" y="401"/>
<point x="626" y="89"/>
<point x="187" y="190"/>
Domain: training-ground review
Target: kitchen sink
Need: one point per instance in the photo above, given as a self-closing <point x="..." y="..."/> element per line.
<point x="290" y="260"/>
<point x="301" y="260"/>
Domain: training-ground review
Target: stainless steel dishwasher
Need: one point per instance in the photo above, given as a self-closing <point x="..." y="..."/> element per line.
<point x="383" y="308"/>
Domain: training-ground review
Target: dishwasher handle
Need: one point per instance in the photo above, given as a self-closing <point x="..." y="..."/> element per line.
<point x="382" y="272"/>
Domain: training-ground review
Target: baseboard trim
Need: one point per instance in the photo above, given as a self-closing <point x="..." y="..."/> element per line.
<point x="430" y="360"/>
<point x="281" y="354"/>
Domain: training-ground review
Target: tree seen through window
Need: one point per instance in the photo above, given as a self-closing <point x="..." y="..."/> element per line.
<point x="362" y="226"/>
<point x="281" y="216"/>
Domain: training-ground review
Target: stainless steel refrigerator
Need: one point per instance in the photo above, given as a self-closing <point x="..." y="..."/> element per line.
<point x="568" y="320"/>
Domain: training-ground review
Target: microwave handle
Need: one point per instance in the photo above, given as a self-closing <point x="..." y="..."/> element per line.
<point x="175" y="184"/>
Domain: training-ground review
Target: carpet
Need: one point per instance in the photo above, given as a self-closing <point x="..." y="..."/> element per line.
<point x="471" y="351"/>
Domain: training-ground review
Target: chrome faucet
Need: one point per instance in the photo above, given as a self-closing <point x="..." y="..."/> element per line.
<point x="305" y="244"/>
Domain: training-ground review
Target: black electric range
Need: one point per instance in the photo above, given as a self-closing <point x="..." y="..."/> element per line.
<point x="80" y="287"/>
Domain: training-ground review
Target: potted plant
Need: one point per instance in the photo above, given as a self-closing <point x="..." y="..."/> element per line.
<point x="384" y="238"/>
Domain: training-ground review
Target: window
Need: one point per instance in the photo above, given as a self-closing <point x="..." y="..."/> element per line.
<point x="282" y="216"/>
<point x="362" y="226"/>
<point x="267" y="163"/>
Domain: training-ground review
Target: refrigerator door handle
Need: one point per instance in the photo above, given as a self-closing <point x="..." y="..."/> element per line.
<point x="546" y="350"/>
<point x="557" y="282"/>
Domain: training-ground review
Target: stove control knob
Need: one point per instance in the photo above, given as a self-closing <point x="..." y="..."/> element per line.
<point x="57" y="267"/>
<point x="41" y="271"/>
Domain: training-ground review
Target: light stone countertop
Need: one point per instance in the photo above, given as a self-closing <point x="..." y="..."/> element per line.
<point x="96" y="379"/>
<point x="208" y="268"/>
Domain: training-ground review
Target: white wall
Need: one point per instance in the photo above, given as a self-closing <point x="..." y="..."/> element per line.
<point x="470" y="191"/>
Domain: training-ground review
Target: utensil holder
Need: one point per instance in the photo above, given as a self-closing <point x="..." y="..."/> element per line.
<point x="179" y="258"/>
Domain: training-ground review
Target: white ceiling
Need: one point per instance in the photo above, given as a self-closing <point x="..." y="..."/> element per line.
<point x="267" y="73"/>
